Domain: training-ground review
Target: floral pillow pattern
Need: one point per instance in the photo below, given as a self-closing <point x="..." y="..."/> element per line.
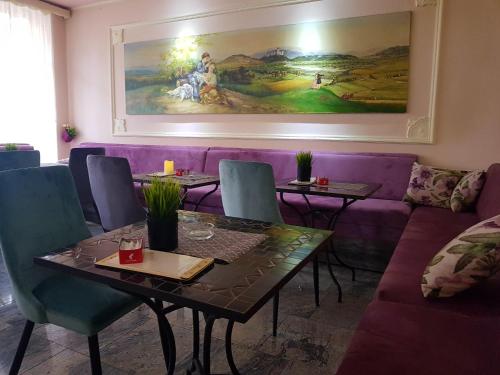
<point x="432" y="186"/>
<point x="471" y="257"/>
<point x="466" y="192"/>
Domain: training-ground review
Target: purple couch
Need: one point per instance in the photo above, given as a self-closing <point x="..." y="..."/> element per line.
<point x="401" y="332"/>
<point x="374" y="225"/>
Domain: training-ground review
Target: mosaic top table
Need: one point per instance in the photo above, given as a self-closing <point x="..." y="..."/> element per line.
<point x="348" y="192"/>
<point x="187" y="182"/>
<point x="234" y="291"/>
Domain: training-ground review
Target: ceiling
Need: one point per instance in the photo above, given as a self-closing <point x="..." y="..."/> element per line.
<point x="72" y="3"/>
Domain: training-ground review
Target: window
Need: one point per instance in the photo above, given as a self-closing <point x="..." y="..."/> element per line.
<point x="27" y="94"/>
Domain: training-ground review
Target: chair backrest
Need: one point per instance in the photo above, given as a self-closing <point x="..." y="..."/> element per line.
<point x="19" y="159"/>
<point x="113" y="190"/>
<point x="248" y="190"/>
<point x="40" y="213"/>
<point x="78" y="168"/>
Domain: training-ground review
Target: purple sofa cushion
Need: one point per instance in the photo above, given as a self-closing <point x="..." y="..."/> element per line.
<point x="427" y="231"/>
<point x="149" y="158"/>
<point x="394" y="338"/>
<point x="488" y="204"/>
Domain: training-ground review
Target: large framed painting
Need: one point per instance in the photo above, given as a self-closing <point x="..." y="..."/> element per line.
<point x="351" y="65"/>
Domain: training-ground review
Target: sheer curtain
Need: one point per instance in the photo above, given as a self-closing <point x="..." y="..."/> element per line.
<point x="27" y="94"/>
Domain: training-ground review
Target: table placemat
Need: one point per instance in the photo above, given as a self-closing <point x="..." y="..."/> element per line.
<point x="344" y="186"/>
<point x="226" y="245"/>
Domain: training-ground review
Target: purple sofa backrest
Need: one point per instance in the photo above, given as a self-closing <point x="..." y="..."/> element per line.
<point x="488" y="204"/>
<point x="149" y="158"/>
<point x="390" y="170"/>
<point x="283" y="161"/>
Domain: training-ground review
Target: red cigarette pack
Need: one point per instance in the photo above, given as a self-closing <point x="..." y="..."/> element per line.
<point x="130" y="250"/>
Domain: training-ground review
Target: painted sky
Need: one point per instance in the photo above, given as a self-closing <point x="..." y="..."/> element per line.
<point x="358" y="36"/>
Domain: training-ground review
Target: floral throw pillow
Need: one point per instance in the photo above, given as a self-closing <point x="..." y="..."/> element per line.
<point x="466" y="192"/>
<point x="432" y="186"/>
<point x="471" y="257"/>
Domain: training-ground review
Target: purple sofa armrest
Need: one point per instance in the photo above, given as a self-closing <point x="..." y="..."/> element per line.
<point x="488" y="204"/>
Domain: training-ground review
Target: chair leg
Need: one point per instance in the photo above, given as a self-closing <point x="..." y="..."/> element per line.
<point x="21" y="349"/>
<point x="95" y="357"/>
<point x="276" y="303"/>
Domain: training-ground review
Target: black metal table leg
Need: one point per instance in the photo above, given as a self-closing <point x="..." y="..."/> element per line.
<point x="207" y="342"/>
<point x="330" y="270"/>
<point x="166" y="334"/>
<point x="331" y="225"/>
<point x="316" y="279"/>
<point x="288" y="204"/>
<point x="276" y="304"/>
<point x="196" y="365"/>
<point x="197" y="204"/>
<point x="229" y="351"/>
<point x="165" y="345"/>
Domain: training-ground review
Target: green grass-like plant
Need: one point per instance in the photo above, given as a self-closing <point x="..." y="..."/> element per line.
<point x="71" y="131"/>
<point x="304" y="159"/>
<point x="10" y="147"/>
<point x="163" y="198"/>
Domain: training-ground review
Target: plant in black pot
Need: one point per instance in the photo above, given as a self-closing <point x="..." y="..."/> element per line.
<point x="304" y="166"/>
<point x="163" y="198"/>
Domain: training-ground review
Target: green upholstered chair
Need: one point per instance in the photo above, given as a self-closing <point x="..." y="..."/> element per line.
<point x="19" y="159"/>
<point x="41" y="212"/>
<point x="248" y="192"/>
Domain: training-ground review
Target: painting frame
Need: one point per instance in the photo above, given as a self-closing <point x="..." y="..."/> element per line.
<point x="416" y="128"/>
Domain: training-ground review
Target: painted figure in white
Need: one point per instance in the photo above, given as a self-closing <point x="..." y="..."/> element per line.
<point x="184" y="91"/>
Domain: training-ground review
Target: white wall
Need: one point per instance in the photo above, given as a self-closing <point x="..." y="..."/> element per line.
<point x="467" y="114"/>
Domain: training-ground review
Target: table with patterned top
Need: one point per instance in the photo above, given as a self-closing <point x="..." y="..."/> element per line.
<point x="348" y="192"/>
<point x="271" y="255"/>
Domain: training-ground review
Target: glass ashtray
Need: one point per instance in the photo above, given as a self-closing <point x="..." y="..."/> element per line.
<point x="198" y="231"/>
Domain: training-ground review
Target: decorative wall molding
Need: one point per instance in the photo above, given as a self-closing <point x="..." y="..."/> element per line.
<point x="419" y="130"/>
<point x="116" y="36"/>
<point x="119" y="126"/>
<point x="426" y="3"/>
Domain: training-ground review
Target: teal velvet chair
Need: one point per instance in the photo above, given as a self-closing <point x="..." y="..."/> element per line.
<point x="19" y="159"/>
<point x="248" y="192"/>
<point x="40" y="212"/>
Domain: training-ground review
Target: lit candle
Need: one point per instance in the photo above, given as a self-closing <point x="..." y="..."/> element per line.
<point x="168" y="167"/>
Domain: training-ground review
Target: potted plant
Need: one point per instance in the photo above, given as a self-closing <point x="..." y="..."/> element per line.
<point x="68" y="133"/>
<point x="163" y="198"/>
<point x="304" y="166"/>
<point x="10" y="147"/>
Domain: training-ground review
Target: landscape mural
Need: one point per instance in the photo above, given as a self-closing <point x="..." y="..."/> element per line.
<point x="353" y="65"/>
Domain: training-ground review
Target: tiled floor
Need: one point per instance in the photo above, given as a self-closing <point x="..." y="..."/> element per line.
<point x="310" y="340"/>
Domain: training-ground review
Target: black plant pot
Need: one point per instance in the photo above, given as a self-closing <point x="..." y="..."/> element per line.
<point x="303" y="173"/>
<point x="162" y="233"/>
